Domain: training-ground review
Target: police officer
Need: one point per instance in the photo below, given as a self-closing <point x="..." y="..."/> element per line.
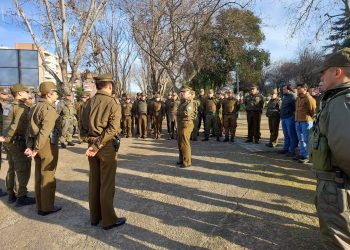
<point x="329" y="152"/>
<point x="13" y="136"/>
<point x="135" y="114"/>
<point x="78" y="106"/>
<point x="219" y="119"/>
<point x="67" y="113"/>
<point x="126" y="116"/>
<point x="201" y="111"/>
<point x="172" y="114"/>
<point x="273" y="115"/>
<point x="100" y="123"/>
<point x="167" y="112"/>
<point x="254" y="104"/>
<point x="42" y="144"/>
<point x="210" y="115"/>
<point x="230" y="114"/>
<point x="4" y="96"/>
<point x="185" y="116"/>
<point x="158" y="113"/>
<point x="142" y="109"/>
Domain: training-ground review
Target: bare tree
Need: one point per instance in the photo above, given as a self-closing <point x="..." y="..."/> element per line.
<point x="69" y="24"/>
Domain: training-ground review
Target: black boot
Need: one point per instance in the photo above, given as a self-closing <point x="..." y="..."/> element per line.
<point x="2" y="193"/>
<point x="226" y="139"/>
<point x="24" y="201"/>
<point x="218" y="139"/>
<point x="63" y="145"/>
<point x="12" y="198"/>
<point x="70" y="143"/>
<point x="232" y="139"/>
<point x="206" y="138"/>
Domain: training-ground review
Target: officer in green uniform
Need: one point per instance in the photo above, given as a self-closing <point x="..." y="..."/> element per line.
<point x="78" y="106"/>
<point x="67" y="114"/>
<point x="172" y="114"/>
<point x="210" y="115"/>
<point x="230" y="114"/>
<point x="185" y="116"/>
<point x="329" y="151"/>
<point x="4" y="96"/>
<point x="13" y="136"/>
<point x="42" y="144"/>
<point x="100" y="124"/>
<point x="135" y="114"/>
<point x="167" y="112"/>
<point x="273" y="115"/>
<point x="158" y="113"/>
<point x="142" y="110"/>
<point x="219" y="118"/>
<point x="196" y="104"/>
<point x="201" y="111"/>
<point x="126" y="116"/>
<point x="254" y="104"/>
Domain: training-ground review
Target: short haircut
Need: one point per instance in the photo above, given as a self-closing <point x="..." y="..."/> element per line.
<point x="346" y="71"/>
<point x="101" y="85"/>
<point x="302" y="85"/>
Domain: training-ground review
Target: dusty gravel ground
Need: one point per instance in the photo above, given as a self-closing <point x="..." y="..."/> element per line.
<point x="235" y="196"/>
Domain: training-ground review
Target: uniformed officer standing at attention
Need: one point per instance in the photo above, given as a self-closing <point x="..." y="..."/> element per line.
<point x="142" y="108"/>
<point x="3" y="102"/>
<point x="185" y="116"/>
<point x="201" y="110"/>
<point x="67" y="113"/>
<point x="210" y="115"/>
<point x="254" y="104"/>
<point x="172" y="114"/>
<point x="100" y="124"/>
<point x="13" y="136"/>
<point x="230" y="114"/>
<point x="135" y="114"/>
<point x="167" y="112"/>
<point x="158" y="113"/>
<point x="273" y="115"/>
<point x="78" y="106"/>
<point x="126" y="116"/>
<point x="329" y="151"/>
<point x="42" y="144"/>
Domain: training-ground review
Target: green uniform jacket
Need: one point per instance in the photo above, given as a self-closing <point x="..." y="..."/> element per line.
<point x="15" y="120"/>
<point x="254" y="103"/>
<point x="186" y="111"/>
<point x="100" y="120"/>
<point x="273" y="107"/>
<point x="42" y="122"/>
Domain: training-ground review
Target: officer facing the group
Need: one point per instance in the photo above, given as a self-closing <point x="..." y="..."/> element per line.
<point x="185" y="116"/>
<point x="329" y="152"/>
<point x="78" y="106"/>
<point x="42" y="144"/>
<point x="273" y="115"/>
<point x="158" y="113"/>
<point x="67" y="113"/>
<point x="126" y="116"/>
<point x="230" y="114"/>
<point x="210" y="115"/>
<point x="254" y="104"/>
<point x="13" y="137"/>
<point x="100" y="124"/>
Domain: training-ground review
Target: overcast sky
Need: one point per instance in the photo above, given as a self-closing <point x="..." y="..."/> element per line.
<point x="272" y="12"/>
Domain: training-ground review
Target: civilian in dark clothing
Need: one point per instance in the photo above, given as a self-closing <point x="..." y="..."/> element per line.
<point x="287" y="113"/>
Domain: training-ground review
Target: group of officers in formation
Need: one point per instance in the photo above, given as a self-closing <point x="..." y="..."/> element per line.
<point x="315" y="122"/>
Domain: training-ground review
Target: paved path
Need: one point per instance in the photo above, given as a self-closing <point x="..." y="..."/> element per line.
<point x="236" y="196"/>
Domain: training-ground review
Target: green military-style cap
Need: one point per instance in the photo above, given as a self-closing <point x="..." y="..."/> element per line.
<point x="340" y="58"/>
<point x="47" y="87"/>
<point x="211" y="91"/>
<point x="142" y="94"/>
<point x="4" y="91"/>
<point x="104" y="78"/>
<point x="185" y="88"/>
<point x="18" y="87"/>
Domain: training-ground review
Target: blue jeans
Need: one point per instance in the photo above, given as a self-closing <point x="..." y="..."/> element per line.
<point x="303" y="129"/>
<point x="290" y="135"/>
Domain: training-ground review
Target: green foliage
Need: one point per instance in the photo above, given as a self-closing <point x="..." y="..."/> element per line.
<point x="79" y="91"/>
<point x="340" y="35"/>
<point x="234" y="37"/>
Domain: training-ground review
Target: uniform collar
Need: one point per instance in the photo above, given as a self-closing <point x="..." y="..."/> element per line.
<point x="102" y="92"/>
<point x="43" y="100"/>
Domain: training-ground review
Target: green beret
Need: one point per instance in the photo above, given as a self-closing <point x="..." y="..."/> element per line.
<point x="4" y="91"/>
<point x="18" y="87"/>
<point x="185" y="88"/>
<point x="104" y="78"/>
<point x="46" y="87"/>
<point x="340" y="58"/>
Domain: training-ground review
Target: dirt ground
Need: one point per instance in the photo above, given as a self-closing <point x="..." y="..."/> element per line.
<point x="235" y="196"/>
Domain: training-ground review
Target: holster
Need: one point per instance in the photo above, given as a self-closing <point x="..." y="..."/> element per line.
<point x="116" y="143"/>
<point x="54" y="137"/>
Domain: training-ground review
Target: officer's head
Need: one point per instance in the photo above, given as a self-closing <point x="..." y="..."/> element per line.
<point x="48" y="91"/>
<point x="142" y="96"/>
<point x="174" y="96"/>
<point x="127" y="98"/>
<point x="302" y="89"/>
<point x="274" y="93"/>
<point x="210" y="93"/>
<point x="287" y="89"/>
<point x="4" y="93"/>
<point x="19" y="91"/>
<point x="321" y="87"/>
<point x="185" y="92"/>
<point x="228" y="93"/>
<point x="253" y="90"/>
<point x="157" y="97"/>
<point x="201" y="92"/>
<point x="336" y="69"/>
<point x="104" y="82"/>
<point x="68" y="96"/>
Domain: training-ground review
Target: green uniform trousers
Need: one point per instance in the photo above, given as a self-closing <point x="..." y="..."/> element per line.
<point x="18" y="173"/>
<point x="45" y="182"/>
<point x="334" y="223"/>
<point x="184" y="130"/>
<point x="157" y="119"/>
<point x="103" y="168"/>
<point x="67" y="128"/>
<point x="211" y="123"/>
<point x="142" y="125"/>
<point x="127" y="123"/>
<point x="254" y="120"/>
<point x="195" y="131"/>
<point x="274" y="125"/>
<point x="230" y="125"/>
